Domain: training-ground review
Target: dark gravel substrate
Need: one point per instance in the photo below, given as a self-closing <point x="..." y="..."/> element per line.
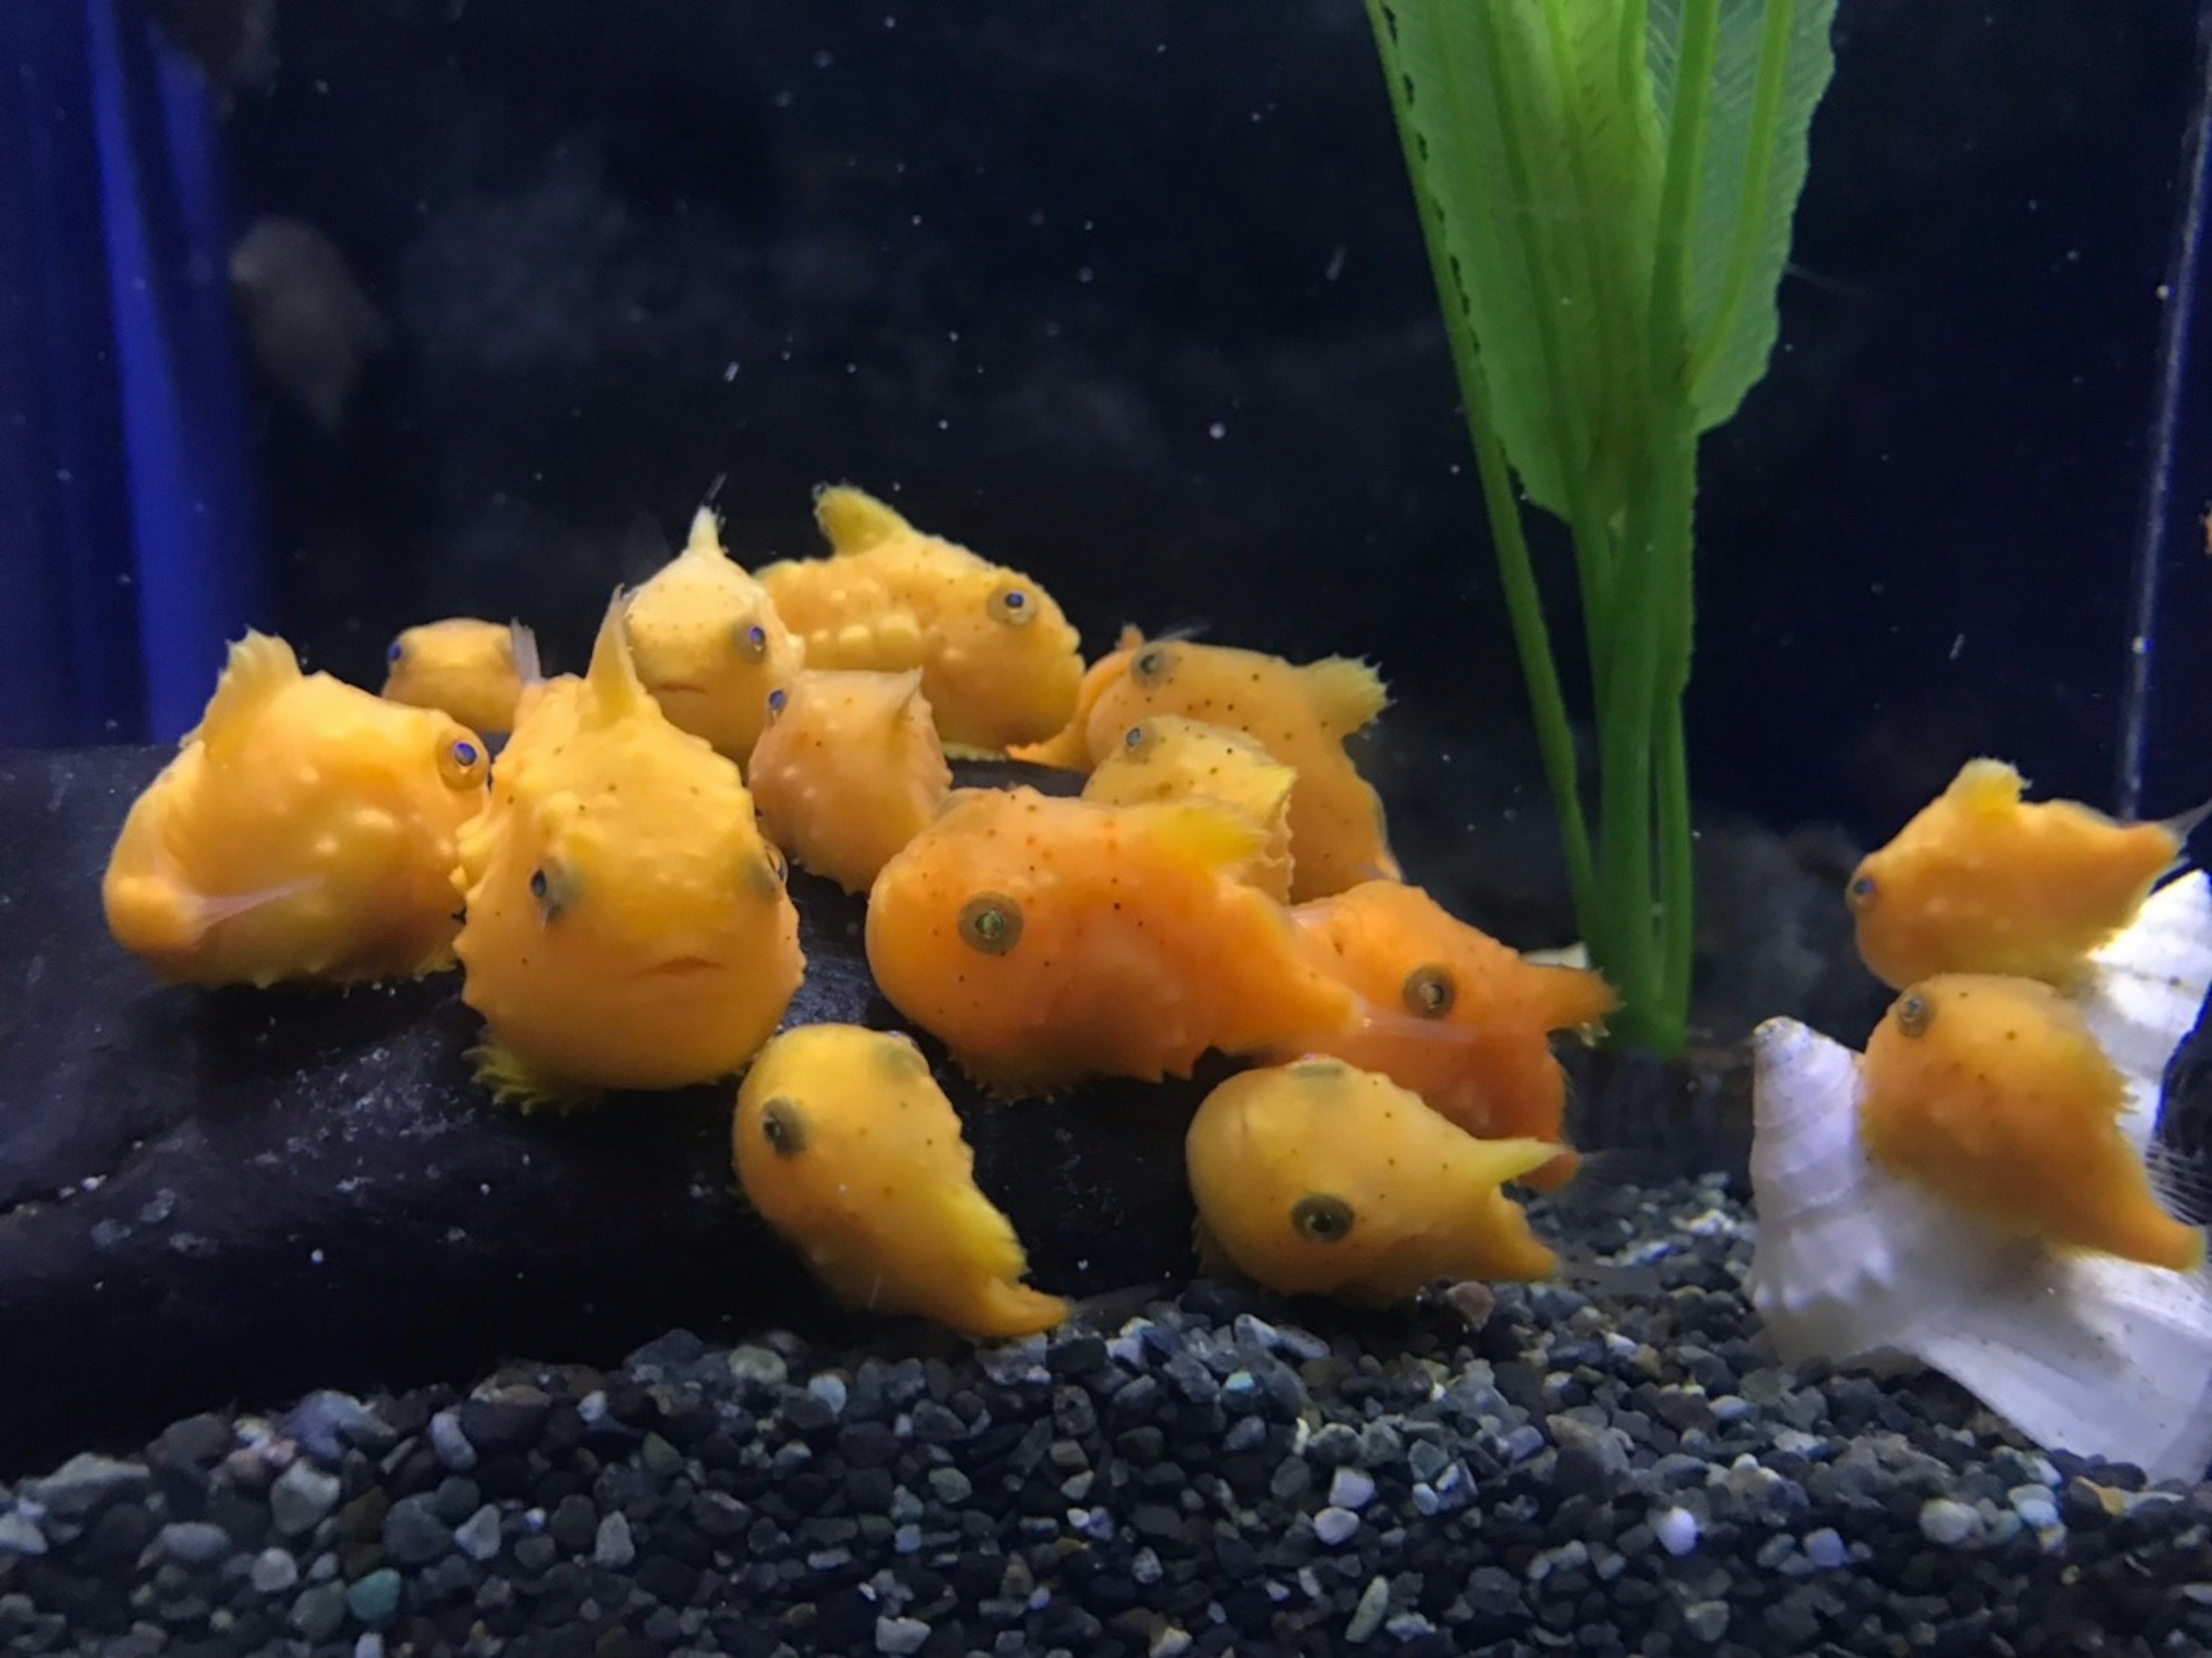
<point x="1611" y="1469"/>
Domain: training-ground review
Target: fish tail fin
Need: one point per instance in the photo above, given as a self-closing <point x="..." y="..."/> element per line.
<point x="522" y="645"/>
<point x="854" y="520"/>
<point x="512" y="1081"/>
<point x="257" y="667"/>
<point x="1495" y="1162"/>
<point x="1068" y="750"/>
<point x="611" y="686"/>
<point x="1003" y="1309"/>
<point x="2184" y="824"/>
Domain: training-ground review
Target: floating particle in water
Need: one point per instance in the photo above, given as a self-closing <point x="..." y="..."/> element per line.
<point x="1217" y="431"/>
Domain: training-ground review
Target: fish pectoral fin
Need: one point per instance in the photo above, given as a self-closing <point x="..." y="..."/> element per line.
<point x="153" y="914"/>
<point x="854" y="520"/>
<point x="1347" y="692"/>
<point x="1214" y="1260"/>
<point x="512" y="1081"/>
<point x="1003" y="1083"/>
<point x="259" y="667"/>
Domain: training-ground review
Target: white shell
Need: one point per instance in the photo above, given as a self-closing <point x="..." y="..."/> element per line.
<point x="2102" y="1357"/>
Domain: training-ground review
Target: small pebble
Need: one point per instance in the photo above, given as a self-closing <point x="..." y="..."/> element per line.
<point x="1335" y="1527"/>
<point x="1676" y="1530"/>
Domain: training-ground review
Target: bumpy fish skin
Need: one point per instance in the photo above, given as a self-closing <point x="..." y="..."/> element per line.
<point x="1000" y="663"/>
<point x="304" y="830"/>
<point x="1981" y="881"/>
<point x="1166" y="757"/>
<point x="1397" y="947"/>
<point x="849" y="770"/>
<point x="1991" y="1092"/>
<point x="1318" y="1178"/>
<point x="847" y="1147"/>
<point x="1045" y="939"/>
<point x="461" y="666"/>
<point x="1300" y="714"/>
<point x="627" y="924"/>
<point x="710" y="644"/>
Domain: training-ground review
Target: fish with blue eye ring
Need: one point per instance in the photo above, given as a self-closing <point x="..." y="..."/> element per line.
<point x="305" y="830"/>
<point x="628" y="926"/>
<point x="473" y="671"/>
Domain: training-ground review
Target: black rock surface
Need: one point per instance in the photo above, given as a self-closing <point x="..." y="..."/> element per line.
<point x="205" y="1195"/>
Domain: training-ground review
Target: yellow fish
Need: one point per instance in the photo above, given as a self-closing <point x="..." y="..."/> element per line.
<point x="849" y="770"/>
<point x="999" y="663"/>
<point x="1980" y="882"/>
<point x="304" y="830"/>
<point x="1166" y="758"/>
<point x="710" y="643"/>
<point x="1300" y="714"/>
<point x="1046" y="940"/>
<point x="471" y="670"/>
<point x="847" y="1146"/>
<point x="1395" y="944"/>
<point x="1992" y="1092"/>
<point x="627" y="924"/>
<point x="1317" y="1178"/>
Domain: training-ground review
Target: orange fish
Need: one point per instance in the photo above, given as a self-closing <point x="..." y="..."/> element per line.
<point x="1993" y="1093"/>
<point x="1980" y="882"/>
<point x="1397" y="947"/>
<point x="1046" y="940"/>
<point x="1301" y="714"/>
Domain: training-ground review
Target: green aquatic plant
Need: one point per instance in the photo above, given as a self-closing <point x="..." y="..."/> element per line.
<point x="1605" y="187"/>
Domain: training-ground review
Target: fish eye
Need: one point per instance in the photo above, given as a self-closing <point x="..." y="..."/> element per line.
<point x="461" y="761"/>
<point x="394" y="651"/>
<point x="1429" y="992"/>
<point x="776" y="699"/>
<point x="1913" y="1013"/>
<point x="991" y="922"/>
<point x="778" y="864"/>
<point x="752" y="640"/>
<point x="1150" y="667"/>
<point x="1136" y="740"/>
<point x="1012" y="605"/>
<point x="783" y="1128"/>
<point x="551" y="899"/>
<point x="1321" y="1218"/>
<point x="1860" y="893"/>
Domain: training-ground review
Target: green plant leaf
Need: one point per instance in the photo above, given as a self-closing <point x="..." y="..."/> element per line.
<point x="1539" y="162"/>
<point x="1773" y="64"/>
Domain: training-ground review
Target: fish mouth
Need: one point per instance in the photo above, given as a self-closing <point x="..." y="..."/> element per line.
<point x="688" y="686"/>
<point x="680" y="967"/>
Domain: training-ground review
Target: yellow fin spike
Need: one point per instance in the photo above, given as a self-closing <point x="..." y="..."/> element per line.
<point x="706" y="540"/>
<point x="611" y="686"/>
<point x="1347" y="692"/>
<point x="856" y="521"/>
<point x="1987" y="786"/>
<point x="512" y="1082"/>
<point x="259" y="667"/>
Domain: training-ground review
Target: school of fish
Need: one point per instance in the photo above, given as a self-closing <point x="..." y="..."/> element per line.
<point x="611" y="886"/>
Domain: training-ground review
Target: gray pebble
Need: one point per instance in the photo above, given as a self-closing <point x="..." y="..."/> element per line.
<point x="899" y="1637"/>
<point x="613" y="1548"/>
<point x="1950" y="1525"/>
<point x="302" y="1495"/>
<point x="451" y="1444"/>
<point x="949" y="1486"/>
<point x="1676" y="1530"/>
<point x="19" y="1536"/>
<point x="477" y="1537"/>
<point x="1351" y="1488"/>
<point x="273" y="1571"/>
<point x="195" y="1542"/>
<point x="318" y="1610"/>
<point x="414" y="1535"/>
<point x="326" y="1421"/>
<point x="761" y="1365"/>
<point x="1706" y="1620"/>
<point x="1825" y="1549"/>
<point x="370" y="1645"/>
<point x="1374" y="1605"/>
<point x="1335" y="1527"/>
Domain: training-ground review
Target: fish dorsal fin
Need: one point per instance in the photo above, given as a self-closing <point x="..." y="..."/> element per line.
<point x="1217" y="836"/>
<point x="1347" y="692"/>
<point x="706" y="540"/>
<point x="259" y="667"/>
<point x="1986" y="786"/>
<point x="856" y="521"/>
<point x="1132" y="639"/>
<point x="612" y="690"/>
<point x="522" y="648"/>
